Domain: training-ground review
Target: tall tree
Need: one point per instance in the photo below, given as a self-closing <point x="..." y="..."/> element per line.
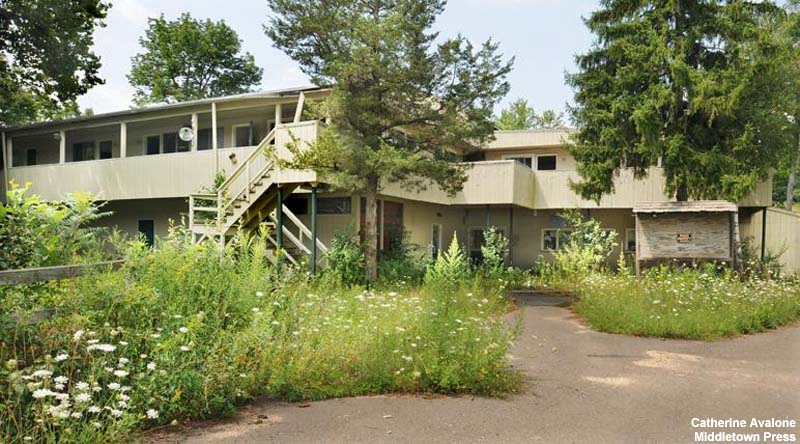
<point x="187" y="59"/>
<point x="518" y="115"/>
<point x="399" y="103"/>
<point x="46" y="60"/>
<point x="789" y="35"/>
<point x="677" y="81"/>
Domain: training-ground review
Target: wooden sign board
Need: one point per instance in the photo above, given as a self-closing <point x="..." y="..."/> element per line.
<point x="684" y="238"/>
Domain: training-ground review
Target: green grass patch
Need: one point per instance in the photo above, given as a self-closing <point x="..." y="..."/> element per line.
<point x="686" y="303"/>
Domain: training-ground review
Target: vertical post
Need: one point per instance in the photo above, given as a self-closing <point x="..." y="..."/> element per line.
<point x="279" y="217"/>
<point x="62" y="147"/>
<point x="313" y="264"/>
<point x="214" y="136"/>
<point x="123" y="140"/>
<point x="10" y="148"/>
<point x="298" y="111"/>
<point x="5" y="163"/>
<point x="191" y="215"/>
<point x="763" y="235"/>
<point x="636" y="250"/>
<point x="510" y="236"/>
<point x="194" y="131"/>
<point x="278" y="115"/>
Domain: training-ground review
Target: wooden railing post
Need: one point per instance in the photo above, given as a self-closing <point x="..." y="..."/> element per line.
<point x="313" y="264"/>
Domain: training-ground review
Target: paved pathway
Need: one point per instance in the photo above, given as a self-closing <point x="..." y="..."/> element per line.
<point x="584" y="387"/>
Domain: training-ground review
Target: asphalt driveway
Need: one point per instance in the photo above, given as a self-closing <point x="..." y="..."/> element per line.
<point x="583" y="387"/>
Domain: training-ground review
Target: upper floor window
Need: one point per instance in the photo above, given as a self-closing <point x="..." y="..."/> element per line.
<point x="105" y="149"/>
<point x="153" y="144"/>
<point x="527" y="161"/>
<point x="546" y="162"/>
<point x="82" y="151"/>
<point x="30" y="156"/>
<point x="204" y="138"/>
<point x="243" y="135"/>
<point x="173" y="143"/>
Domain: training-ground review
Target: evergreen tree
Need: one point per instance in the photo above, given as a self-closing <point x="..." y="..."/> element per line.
<point x="521" y="116"/>
<point x="683" y="82"/>
<point x="400" y="105"/>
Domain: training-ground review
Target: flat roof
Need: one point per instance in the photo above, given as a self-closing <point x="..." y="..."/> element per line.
<point x="266" y="94"/>
<point x="695" y="206"/>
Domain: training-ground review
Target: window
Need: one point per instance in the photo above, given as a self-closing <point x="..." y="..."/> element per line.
<point x="153" y="145"/>
<point x="527" y="161"/>
<point x="242" y="135"/>
<point x="82" y="151"/>
<point x="630" y="239"/>
<point x="436" y="240"/>
<point x="555" y="238"/>
<point x="30" y="156"/>
<point x="334" y="205"/>
<point x="546" y="162"/>
<point x="204" y="138"/>
<point x="297" y="205"/>
<point x="147" y="230"/>
<point x="105" y="149"/>
<point x="173" y="143"/>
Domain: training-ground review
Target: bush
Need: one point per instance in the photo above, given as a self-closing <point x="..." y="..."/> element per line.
<point x="345" y="260"/>
<point x="494" y="251"/>
<point x="449" y="268"/>
<point x="404" y="264"/>
<point x="704" y="303"/>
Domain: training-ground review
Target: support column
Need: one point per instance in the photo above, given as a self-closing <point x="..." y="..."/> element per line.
<point x="313" y="264"/>
<point x="5" y="163"/>
<point x="214" y="136"/>
<point x="278" y="115"/>
<point x="10" y="148"/>
<point x="763" y="235"/>
<point x="279" y="217"/>
<point x="194" y="131"/>
<point x="510" y="236"/>
<point x="298" y="111"/>
<point x="123" y="140"/>
<point x="62" y="147"/>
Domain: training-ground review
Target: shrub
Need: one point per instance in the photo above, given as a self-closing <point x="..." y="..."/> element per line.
<point x="345" y="259"/>
<point x="404" y="264"/>
<point x="449" y="268"/>
<point x="701" y="303"/>
<point x="494" y="251"/>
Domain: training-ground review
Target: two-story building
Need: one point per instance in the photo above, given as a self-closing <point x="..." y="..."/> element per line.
<point x="157" y="164"/>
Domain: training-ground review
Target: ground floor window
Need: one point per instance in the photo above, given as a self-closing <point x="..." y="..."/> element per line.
<point x="436" y="239"/>
<point x="630" y="239"/>
<point x="147" y="230"/>
<point x="555" y="238"/>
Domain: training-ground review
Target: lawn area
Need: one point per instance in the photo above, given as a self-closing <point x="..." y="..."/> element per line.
<point x="686" y="303"/>
<point x="190" y="332"/>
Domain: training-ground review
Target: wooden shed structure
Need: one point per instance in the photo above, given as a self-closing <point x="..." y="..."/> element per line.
<point x="685" y="231"/>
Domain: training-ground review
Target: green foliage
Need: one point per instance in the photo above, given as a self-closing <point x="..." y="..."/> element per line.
<point x="687" y="303"/>
<point x="37" y="233"/>
<point x="399" y="103"/>
<point x="189" y="59"/>
<point x="521" y="116"/>
<point x="345" y="259"/>
<point x="404" y="264"/>
<point x="753" y="265"/>
<point x="165" y="338"/>
<point x="588" y="249"/>
<point x="449" y="268"/>
<point x="46" y="59"/>
<point x="690" y="84"/>
<point x="494" y="251"/>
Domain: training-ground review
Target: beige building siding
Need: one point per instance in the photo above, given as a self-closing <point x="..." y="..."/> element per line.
<point x="126" y="214"/>
<point x="564" y="161"/>
<point x="783" y="235"/>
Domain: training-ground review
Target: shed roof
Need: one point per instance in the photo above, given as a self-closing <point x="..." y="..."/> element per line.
<point x="698" y="206"/>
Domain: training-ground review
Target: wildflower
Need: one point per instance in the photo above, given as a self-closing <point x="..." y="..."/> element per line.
<point x="183" y="330"/>
<point x="97" y="425"/>
<point x="61" y="379"/>
<point x="41" y="393"/>
<point x="114" y="386"/>
<point x="58" y="386"/>
<point x="120" y="373"/>
<point x="258" y="295"/>
<point x="123" y="343"/>
<point x="105" y="348"/>
<point x="93" y="409"/>
<point x="42" y="374"/>
<point x="77" y="335"/>
<point x="185" y="348"/>
<point x="116" y="413"/>
<point x="83" y="397"/>
<point x="417" y="374"/>
<point x="256" y="309"/>
<point x="61" y="396"/>
<point x="124" y="397"/>
<point x="275" y="323"/>
<point x="61" y="357"/>
<point x="152" y="414"/>
<point x="151" y="366"/>
<point x="76" y="415"/>
<point x="155" y="335"/>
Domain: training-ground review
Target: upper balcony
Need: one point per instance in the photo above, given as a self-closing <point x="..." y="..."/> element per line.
<point x="144" y="156"/>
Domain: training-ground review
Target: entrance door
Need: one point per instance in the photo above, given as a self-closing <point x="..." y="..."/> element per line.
<point x="392" y="224"/>
<point x="146" y="227"/>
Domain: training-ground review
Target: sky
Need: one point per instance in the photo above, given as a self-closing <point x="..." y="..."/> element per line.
<point x="542" y="35"/>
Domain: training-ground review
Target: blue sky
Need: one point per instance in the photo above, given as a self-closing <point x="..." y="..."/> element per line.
<point x="543" y="35"/>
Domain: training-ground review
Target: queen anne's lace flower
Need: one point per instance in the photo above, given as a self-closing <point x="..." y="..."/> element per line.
<point x="105" y="348"/>
<point x="152" y="414"/>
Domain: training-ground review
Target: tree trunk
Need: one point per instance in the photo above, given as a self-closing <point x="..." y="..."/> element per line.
<point x="790" y="184"/>
<point x="371" y="228"/>
<point x="737" y="243"/>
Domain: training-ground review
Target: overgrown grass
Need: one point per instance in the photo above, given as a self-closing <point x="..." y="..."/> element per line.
<point x="686" y="303"/>
<point x="190" y="332"/>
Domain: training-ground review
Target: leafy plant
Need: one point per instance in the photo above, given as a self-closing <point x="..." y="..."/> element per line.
<point x="449" y="268"/>
<point x="346" y="259"/>
<point x="494" y="250"/>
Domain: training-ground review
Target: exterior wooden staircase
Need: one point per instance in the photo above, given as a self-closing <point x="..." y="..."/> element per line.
<point x="248" y="199"/>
